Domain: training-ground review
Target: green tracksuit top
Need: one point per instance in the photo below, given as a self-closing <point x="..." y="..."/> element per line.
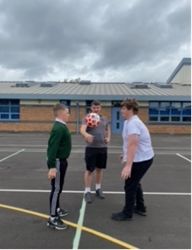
<point x="59" y="144"/>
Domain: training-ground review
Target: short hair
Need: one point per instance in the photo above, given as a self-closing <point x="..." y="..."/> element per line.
<point x="95" y="103"/>
<point x="57" y="108"/>
<point x="131" y="104"/>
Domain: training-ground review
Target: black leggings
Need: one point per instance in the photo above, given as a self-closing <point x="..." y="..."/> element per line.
<point x="57" y="186"/>
<point x="133" y="189"/>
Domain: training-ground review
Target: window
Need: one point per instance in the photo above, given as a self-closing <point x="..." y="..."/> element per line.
<point x="154" y="108"/>
<point x="186" y="109"/>
<point x="176" y="108"/>
<point x="88" y="107"/>
<point x="118" y="115"/>
<point x="170" y="112"/>
<point x="186" y="112"/>
<point x="116" y="103"/>
<point x="9" y="110"/>
<point x="175" y="118"/>
<point x="164" y="108"/>
<point x="67" y="103"/>
<point x="153" y="118"/>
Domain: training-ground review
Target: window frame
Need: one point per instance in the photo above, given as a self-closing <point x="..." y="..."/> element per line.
<point x="156" y="112"/>
<point x="8" y="113"/>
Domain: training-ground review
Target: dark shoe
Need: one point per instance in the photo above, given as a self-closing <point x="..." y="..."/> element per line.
<point x="141" y="211"/>
<point x="62" y="213"/>
<point x="100" y="194"/>
<point x="57" y="223"/>
<point x="120" y="217"/>
<point x="88" y="197"/>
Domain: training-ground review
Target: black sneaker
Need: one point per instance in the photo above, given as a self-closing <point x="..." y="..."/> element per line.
<point x="100" y="194"/>
<point x="57" y="223"/>
<point x="88" y="197"/>
<point x="141" y="211"/>
<point x="62" y="212"/>
<point x="120" y="217"/>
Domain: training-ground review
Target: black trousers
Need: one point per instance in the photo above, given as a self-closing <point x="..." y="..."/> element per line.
<point x="57" y="186"/>
<point x="133" y="189"/>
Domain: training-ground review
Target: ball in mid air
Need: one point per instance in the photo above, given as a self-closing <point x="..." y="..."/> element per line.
<point x="92" y="120"/>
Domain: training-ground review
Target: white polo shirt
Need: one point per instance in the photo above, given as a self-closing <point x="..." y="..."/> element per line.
<point x="144" y="150"/>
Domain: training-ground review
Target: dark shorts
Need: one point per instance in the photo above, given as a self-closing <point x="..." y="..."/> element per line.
<point x="95" y="157"/>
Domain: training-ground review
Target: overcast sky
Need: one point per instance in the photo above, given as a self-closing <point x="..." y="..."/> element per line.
<point x="97" y="40"/>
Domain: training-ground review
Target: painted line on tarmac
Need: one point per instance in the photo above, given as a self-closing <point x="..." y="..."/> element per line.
<point x="81" y="151"/>
<point x="82" y="192"/>
<point x="12" y="155"/>
<point x="77" y="237"/>
<point x="183" y="157"/>
<point x="83" y="146"/>
<point x="86" y="229"/>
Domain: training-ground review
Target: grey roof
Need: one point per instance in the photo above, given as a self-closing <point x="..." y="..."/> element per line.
<point x="95" y="90"/>
<point x="185" y="61"/>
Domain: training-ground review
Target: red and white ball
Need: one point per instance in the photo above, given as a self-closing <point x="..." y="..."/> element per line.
<point x="92" y="120"/>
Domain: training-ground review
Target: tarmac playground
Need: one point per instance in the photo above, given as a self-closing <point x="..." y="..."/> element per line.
<point x="24" y="195"/>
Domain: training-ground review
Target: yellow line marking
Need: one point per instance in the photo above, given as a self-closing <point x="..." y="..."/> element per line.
<point x="86" y="229"/>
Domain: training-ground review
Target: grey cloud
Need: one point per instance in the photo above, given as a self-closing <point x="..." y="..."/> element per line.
<point x="144" y="33"/>
<point x="37" y="36"/>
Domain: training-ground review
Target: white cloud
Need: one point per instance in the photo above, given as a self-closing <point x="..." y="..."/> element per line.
<point x="10" y="74"/>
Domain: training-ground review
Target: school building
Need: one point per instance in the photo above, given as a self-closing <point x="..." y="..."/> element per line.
<point x="164" y="107"/>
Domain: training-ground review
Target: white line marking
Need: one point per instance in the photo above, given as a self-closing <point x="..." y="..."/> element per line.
<point x="30" y="150"/>
<point x="183" y="157"/>
<point x="83" y="146"/>
<point x="12" y="155"/>
<point x="163" y="193"/>
<point x="77" y="237"/>
<point x="82" y="192"/>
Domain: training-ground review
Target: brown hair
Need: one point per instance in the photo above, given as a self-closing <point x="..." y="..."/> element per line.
<point x="95" y="103"/>
<point x="58" y="107"/>
<point x="131" y="104"/>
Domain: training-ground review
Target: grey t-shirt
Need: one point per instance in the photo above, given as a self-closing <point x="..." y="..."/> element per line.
<point x="98" y="132"/>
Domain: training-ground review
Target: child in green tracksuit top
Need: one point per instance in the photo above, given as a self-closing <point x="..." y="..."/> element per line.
<point x="59" y="148"/>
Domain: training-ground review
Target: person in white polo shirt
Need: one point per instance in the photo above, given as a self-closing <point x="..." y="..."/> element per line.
<point x="137" y="157"/>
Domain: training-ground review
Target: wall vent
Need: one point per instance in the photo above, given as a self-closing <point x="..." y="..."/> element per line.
<point x="47" y="84"/>
<point x="25" y="84"/>
<point x="22" y="85"/>
<point x="139" y="85"/>
<point x="163" y="85"/>
<point x="85" y="82"/>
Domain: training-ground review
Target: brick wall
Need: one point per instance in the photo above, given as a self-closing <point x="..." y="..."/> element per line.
<point x="25" y="127"/>
<point x="40" y="119"/>
<point x="36" y="113"/>
<point x="169" y="129"/>
<point x="81" y="113"/>
<point x="143" y="114"/>
<point x="106" y="111"/>
<point x="31" y="127"/>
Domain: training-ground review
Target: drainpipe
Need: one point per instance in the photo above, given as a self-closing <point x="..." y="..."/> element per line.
<point x="77" y="117"/>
